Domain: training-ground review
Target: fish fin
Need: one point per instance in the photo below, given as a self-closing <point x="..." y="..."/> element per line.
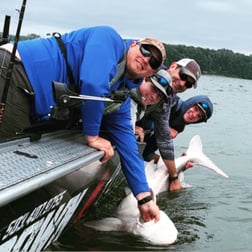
<point x="195" y="145"/>
<point x="195" y="150"/>
<point x="182" y="180"/>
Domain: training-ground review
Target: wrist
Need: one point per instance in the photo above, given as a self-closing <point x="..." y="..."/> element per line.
<point x="144" y="200"/>
<point x="91" y="139"/>
<point x="172" y="178"/>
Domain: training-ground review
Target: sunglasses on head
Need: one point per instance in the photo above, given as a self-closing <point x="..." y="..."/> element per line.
<point x="184" y="77"/>
<point x="161" y="80"/>
<point x="146" y="52"/>
<point x="205" y="107"/>
<point x="164" y="83"/>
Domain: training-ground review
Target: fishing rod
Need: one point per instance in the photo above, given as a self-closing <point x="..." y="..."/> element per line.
<point x="12" y="58"/>
<point x="63" y="95"/>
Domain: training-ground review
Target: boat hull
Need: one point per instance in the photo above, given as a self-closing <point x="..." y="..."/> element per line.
<point x="49" y="192"/>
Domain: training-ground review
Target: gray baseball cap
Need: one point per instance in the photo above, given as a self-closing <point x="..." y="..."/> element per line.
<point x="191" y="68"/>
<point x="161" y="80"/>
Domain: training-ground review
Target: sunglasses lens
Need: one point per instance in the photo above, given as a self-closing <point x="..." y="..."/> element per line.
<point x="154" y="62"/>
<point x="162" y="81"/>
<point x="146" y="52"/>
<point x="188" y="84"/>
<point x="184" y="77"/>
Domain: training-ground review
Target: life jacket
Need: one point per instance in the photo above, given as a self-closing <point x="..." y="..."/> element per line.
<point x="120" y="70"/>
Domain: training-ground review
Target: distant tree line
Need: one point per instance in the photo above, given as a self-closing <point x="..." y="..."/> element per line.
<point x="222" y="62"/>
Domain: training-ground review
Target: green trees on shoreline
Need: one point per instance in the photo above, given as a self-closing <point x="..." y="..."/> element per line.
<point x="222" y="62"/>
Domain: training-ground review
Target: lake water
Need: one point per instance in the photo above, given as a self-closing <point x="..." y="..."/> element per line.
<point x="215" y="214"/>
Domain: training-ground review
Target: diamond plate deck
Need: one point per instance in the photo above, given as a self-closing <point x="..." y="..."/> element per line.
<point x="59" y="152"/>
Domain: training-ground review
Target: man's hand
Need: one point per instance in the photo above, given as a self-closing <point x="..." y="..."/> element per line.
<point x="139" y="132"/>
<point x="189" y="164"/>
<point x="149" y="210"/>
<point x="155" y="157"/>
<point x="173" y="133"/>
<point x="102" y="144"/>
<point x="174" y="185"/>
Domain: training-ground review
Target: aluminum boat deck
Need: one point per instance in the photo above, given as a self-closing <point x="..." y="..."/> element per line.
<point x="26" y="166"/>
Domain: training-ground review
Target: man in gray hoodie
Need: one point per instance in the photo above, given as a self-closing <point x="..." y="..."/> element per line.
<point x="196" y="109"/>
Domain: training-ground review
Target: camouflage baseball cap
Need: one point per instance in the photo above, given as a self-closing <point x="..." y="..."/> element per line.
<point x="157" y="44"/>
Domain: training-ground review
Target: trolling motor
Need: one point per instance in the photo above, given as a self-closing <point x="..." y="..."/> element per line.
<point x="68" y="100"/>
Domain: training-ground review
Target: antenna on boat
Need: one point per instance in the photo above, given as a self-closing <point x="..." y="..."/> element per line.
<point x="12" y="59"/>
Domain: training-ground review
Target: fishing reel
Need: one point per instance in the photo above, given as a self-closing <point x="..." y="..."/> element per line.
<point x="64" y="105"/>
<point x="119" y="95"/>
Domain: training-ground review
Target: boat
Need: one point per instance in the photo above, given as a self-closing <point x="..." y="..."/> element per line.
<point x="46" y="184"/>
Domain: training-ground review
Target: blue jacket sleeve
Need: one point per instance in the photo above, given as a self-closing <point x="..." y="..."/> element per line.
<point x="118" y="128"/>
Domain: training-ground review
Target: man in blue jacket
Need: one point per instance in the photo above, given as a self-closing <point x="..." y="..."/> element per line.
<point x="100" y="61"/>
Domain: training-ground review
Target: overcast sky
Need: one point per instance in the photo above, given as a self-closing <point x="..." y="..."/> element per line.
<point x="213" y="24"/>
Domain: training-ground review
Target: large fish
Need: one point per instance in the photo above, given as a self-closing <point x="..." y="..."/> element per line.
<point x="127" y="214"/>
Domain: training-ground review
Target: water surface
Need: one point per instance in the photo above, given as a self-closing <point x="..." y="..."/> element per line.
<point x="215" y="214"/>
